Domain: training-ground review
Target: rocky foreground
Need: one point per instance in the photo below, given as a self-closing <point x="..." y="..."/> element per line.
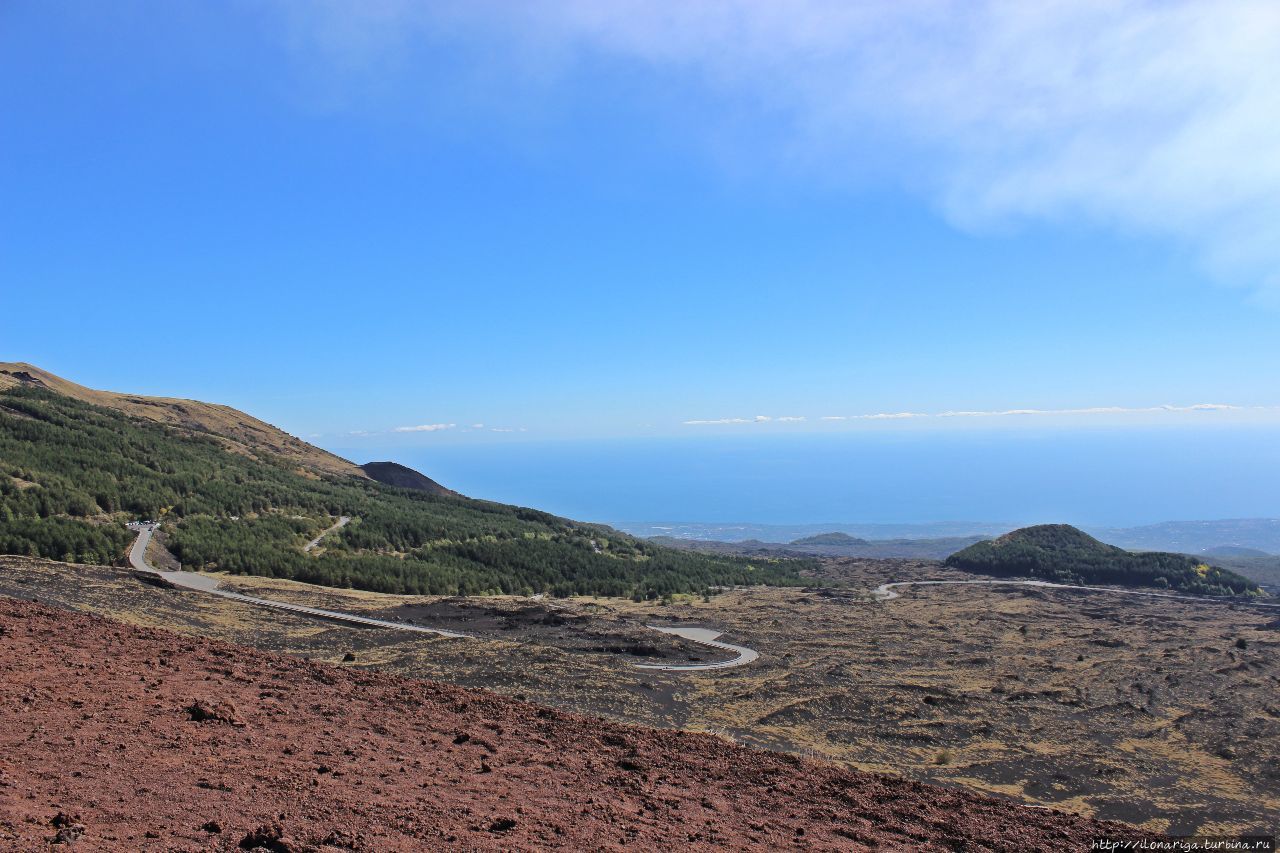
<point x="119" y="738"/>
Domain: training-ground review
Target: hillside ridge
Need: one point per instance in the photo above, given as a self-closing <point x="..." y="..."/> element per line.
<point x="72" y="473"/>
<point x="403" y="477"/>
<point x="1066" y="554"/>
<point x="240" y="432"/>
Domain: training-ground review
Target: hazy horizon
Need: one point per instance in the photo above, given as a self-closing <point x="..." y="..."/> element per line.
<point x="1102" y="477"/>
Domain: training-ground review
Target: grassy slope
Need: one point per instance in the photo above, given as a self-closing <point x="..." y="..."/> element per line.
<point x="94" y="467"/>
<point x="233" y="429"/>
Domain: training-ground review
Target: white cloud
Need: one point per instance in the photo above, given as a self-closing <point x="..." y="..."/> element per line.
<point x="1149" y="116"/>
<point x="1156" y="116"/>
<point x="758" y="419"/>
<point x="424" y="428"/>
<point x="1000" y="413"/>
<point x="879" y="416"/>
<point x="1095" y="410"/>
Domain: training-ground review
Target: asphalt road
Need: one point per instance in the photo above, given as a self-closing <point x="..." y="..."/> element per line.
<point x="342" y="522"/>
<point x="706" y="637"/>
<point x="205" y="583"/>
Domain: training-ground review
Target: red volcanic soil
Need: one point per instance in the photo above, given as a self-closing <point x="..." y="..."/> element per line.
<point x="119" y="738"/>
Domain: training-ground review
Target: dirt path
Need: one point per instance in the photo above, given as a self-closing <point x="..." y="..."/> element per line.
<point x="342" y="522"/>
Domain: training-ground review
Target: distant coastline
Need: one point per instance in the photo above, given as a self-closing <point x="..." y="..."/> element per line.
<point x="1197" y="536"/>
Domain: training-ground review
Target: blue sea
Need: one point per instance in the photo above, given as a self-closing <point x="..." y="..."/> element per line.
<point x="1084" y="477"/>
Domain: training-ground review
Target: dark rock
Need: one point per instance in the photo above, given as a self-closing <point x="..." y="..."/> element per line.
<point x="206" y="711"/>
<point x="153" y="579"/>
<point x="268" y="837"/>
<point x="341" y="839"/>
<point x="69" y="834"/>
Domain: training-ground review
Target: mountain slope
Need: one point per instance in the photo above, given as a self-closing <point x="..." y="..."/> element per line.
<point x="843" y="540"/>
<point x="1235" y="551"/>
<point x="137" y="739"/>
<point x="1062" y="553"/>
<point x="1194" y="537"/>
<point x="828" y="545"/>
<point x="233" y="429"/>
<point x="403" y="477"/>
<point x="71" y="473"/>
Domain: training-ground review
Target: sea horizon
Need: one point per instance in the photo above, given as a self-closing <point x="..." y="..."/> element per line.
<point x="1119" y="477"/>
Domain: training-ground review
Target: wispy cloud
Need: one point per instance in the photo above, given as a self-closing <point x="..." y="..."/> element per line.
<point x="879" y="416"/>
<point x="758" y="419"/>
<point x="424" y="428"/>
<point x="362" y="433"/>
<point x="997" y="413"/>
<point x="1155" y="116"/>
<point x="1093" y="410"/>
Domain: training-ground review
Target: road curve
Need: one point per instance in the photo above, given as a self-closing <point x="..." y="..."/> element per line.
<point x="885" y="592"/>
<point x="204" y="583"/>
<point x="342" y="522"/>
<point x="706" y="637"/>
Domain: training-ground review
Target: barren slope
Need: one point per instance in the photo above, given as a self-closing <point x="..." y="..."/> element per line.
<point x="141" y="739"/>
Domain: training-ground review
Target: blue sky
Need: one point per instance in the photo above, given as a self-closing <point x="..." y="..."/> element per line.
<point x="578" y="221"/>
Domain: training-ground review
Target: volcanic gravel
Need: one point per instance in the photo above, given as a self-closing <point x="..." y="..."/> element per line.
<point x="114" y="737"/>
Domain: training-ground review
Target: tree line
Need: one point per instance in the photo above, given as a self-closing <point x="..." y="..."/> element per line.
<point x="71" y="473"/>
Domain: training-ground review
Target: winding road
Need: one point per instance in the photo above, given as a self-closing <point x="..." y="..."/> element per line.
<point x="342" y="522"/>
<point x="706" y="637"/>
<point x="205" y="583"/>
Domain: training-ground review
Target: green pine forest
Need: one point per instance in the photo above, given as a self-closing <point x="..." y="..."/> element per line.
<point x="72" y="473"/>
